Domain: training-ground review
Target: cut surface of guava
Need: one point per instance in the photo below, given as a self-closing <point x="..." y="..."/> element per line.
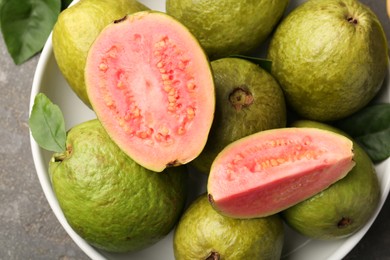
<point x="151" y="86"/>
<point x="267" y="172"/>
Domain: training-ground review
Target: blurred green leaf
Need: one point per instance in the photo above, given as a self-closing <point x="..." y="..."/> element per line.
<point x="26" y="25"/>
<point x="1" y="5"/>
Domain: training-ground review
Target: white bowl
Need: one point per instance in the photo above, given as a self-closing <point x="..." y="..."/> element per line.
<point x="50" y="81"/>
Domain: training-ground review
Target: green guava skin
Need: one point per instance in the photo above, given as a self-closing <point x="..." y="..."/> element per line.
<point x="202" y="233"/>
<point x="343" y="208"/>
<point x="226" y="27"/>
<point x="265" y="108"/>
<point x="75" y="30"/>
<point x="109" y="200"/>
<point x="330" y="57"/>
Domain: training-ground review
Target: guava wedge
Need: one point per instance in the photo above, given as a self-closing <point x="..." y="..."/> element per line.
<point x="150" y="84"/>
<point x="267" y="172"/>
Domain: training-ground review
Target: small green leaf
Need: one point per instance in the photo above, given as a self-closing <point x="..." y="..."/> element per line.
<point x="266" y="64"/>
<point x="47" y="124"/>
<point x="26" y="25"/>
<point x="370" y="127"/>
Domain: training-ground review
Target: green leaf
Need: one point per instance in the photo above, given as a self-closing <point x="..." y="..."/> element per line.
<point x="26" y="25"/>
<point x="1" y="6"/>
<point x="47" y="124"/>
<point x="370" y="127"/>
<point x="266" y="64"/>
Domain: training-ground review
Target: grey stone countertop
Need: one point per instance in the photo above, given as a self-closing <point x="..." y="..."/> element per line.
<point x="28" y="227"/>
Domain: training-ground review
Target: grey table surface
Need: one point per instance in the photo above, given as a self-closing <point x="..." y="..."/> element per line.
<point x="28" y="227"/>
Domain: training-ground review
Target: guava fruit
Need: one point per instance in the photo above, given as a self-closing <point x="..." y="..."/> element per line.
<point x="202" y="233"/>
<point x="150" y="84"/>
<point x="226" y="27"/>
<point x="343" y="208"/>
<point x="267" y="172"/>
<point x="248" y="100"/>
<point x="330" y="57"/>
<point x="75" y="30"/>
<point x="110" y="200"/>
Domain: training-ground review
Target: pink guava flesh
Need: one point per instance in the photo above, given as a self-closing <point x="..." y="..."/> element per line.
<point x="267" y="172"/>
<point x="150" y="85"/>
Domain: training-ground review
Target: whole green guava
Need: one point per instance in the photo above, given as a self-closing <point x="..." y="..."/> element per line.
<point x="202" y="233"/>
<point x="330" y="57"/>
<point x="225" y="27"/>
<point x="248" y="100"/>
<point x="108" y="199"/>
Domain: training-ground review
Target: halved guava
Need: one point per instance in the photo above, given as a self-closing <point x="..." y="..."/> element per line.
<point x="267" y="172"/>
<point x="150" y="84"/>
